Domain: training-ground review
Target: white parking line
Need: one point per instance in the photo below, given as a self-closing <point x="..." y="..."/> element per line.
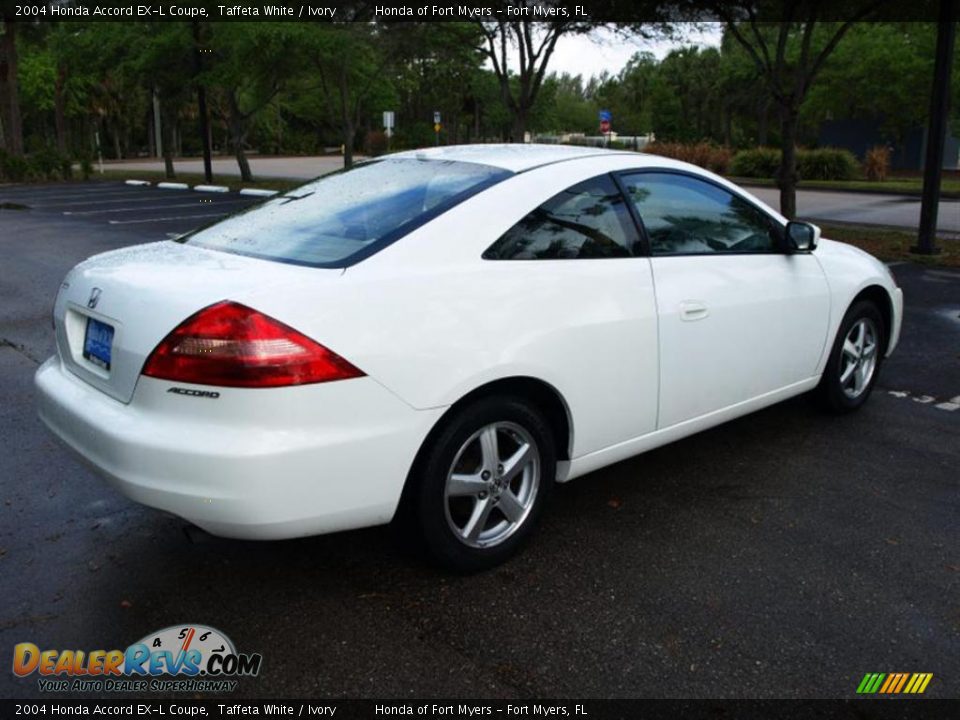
<point x="39" y="199"/>
<point x="173" y="186"/>
<point x="151" y="198"/>
<point x="164" y="219"/>
<point x="949" y="405"/>
<point x="68" y="189"/>
<point x="195" y="203"/>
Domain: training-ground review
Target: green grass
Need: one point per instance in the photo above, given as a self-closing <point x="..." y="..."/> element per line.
<point x="949" y="187"/>
<point x="893" y="245"/>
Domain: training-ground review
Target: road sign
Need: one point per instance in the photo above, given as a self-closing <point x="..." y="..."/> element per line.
<point x="388" y="119"/>
<point x="604" y="126"/>
<point x="436" y="127"/>
<point x="436" y="118"/>
<point x="606" y="116"/>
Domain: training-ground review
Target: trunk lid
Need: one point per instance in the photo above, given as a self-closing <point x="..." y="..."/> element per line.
<point x="114" y="309"/>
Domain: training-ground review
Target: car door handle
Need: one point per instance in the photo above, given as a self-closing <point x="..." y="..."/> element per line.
<point x="691" y="310"/>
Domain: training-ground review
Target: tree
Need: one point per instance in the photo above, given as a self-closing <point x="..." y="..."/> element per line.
<point x="789" y="54"/>
<point x="251" y="64"/>
<point x="534" y="43"/>
<point x="347" y="62"/>
<point x="630" y="96"/>
<point x="9" y="88"/>
<point x="857" y="82"/>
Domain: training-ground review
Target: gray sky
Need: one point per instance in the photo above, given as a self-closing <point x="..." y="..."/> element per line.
<point x="591" y="55"/>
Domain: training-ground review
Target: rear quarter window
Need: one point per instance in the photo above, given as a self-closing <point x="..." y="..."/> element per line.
<point x="588" y="220"/>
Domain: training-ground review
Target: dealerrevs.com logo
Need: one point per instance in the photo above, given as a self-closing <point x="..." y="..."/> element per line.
<point x="180" y="658"/>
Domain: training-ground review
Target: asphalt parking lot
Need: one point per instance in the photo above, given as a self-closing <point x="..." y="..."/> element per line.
<point x="785" y="554"/>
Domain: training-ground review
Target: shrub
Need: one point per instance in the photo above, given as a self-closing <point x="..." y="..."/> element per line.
<point x="826" y="164"/>
<point x="706" y="155"/>
<point x="756" y="163"/>
<point x="45" y="164"/>
<point x="66" y="167"/>
<point x="819" y="164"/>
<point x="876" y="165"/>
<point x="375" y="143"/>
<point x="86" y="167"/>
<point x="13" y="168"/>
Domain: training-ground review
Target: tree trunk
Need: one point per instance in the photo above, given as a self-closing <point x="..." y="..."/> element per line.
<point x="727" y="125"/>
<point x="519" y="129"/>
<point x="762" y="118"/>
<point x="349" y="134"/>
<point x="166" y="139"/>
<point x="787" y="174"/>
<point x="13" y="125"/>
<point x="59" y="110"/>
<point x="238" y="136"/>
<point x="151" y="141"/>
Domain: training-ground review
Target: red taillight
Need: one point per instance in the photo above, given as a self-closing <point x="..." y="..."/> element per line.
<point x="231" y="345"/>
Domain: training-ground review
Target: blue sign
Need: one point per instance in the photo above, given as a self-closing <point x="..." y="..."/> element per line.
<point x="606" y="116"/>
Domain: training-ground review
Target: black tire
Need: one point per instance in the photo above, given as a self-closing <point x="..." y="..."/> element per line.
<point x="516" y="423"/>
<point x="831" y="394"/>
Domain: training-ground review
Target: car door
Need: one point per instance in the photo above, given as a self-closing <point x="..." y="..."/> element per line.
<point x="738" y="316"/>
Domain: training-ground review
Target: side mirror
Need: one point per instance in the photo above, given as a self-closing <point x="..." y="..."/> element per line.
<point x="802" y="236"/>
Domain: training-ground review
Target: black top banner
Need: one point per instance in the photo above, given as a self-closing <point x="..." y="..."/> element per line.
<point x="583" y="11"/>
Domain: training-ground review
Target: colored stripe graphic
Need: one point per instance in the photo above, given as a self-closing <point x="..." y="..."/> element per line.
<point x="894" y="683"/>
<point x="903" y="680"/>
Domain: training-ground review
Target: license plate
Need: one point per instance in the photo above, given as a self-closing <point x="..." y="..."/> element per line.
<point x="98" y="342"/>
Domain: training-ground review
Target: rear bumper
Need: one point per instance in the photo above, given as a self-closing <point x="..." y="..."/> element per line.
<point x="254" y="464"/>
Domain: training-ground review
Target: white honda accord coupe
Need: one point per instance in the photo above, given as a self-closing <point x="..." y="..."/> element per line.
<point x="450" y="332"/>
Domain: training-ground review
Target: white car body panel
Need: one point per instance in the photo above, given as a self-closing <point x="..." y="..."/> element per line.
<point x="735" y="327"/>
<point x="429" y="321"/>
<point x="849" y="271"/>
<point x="260" y="464"/>
<point x="150" y="283"/>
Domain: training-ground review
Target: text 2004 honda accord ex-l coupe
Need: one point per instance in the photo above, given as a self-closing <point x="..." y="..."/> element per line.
<point x="451" y="332"/>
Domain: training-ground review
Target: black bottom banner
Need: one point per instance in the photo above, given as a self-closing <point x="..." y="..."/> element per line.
<point x="891" y="709"/>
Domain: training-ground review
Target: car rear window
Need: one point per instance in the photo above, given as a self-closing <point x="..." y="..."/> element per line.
<point x="342" y="218"/>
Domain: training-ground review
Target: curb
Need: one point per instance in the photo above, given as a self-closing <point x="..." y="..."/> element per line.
<point x="258" y="192"/>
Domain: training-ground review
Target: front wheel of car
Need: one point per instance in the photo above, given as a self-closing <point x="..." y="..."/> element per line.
<point x="854" y="361"/>
<point x="483" y="482"/>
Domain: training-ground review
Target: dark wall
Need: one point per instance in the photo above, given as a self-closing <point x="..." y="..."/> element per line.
<point x="858" y="136"/>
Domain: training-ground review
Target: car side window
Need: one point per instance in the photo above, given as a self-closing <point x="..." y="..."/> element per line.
<point x="587" y="220"/>
<point x="684" y="215"/>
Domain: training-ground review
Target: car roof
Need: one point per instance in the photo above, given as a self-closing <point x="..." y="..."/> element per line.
<point x="515" y="158"/>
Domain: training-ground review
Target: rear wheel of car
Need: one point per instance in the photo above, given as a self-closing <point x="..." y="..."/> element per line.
<point x="483" y="482"/>
<point x="854" y="361"/>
